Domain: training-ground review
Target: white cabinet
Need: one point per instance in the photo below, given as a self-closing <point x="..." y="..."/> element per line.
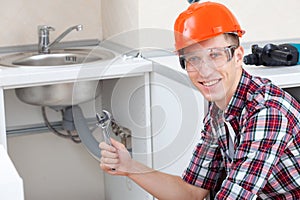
<point x="54" y="168"/>
<point x="177" y="112"/>
<point x="130" y="104"/>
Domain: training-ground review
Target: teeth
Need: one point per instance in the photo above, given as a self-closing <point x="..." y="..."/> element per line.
<point x="210" y="83"/>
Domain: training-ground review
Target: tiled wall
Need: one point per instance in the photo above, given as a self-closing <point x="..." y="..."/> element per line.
<point x="19" y="19"/>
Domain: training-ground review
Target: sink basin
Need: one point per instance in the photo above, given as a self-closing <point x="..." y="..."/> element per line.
<point x="63" y="94"/>
<point x="55" y="58"/>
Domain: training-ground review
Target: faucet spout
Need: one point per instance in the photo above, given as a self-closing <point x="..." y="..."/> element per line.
<point x="66" y="32"/>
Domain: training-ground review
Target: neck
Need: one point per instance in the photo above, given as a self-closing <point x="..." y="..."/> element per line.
<point x="222" y="104"/>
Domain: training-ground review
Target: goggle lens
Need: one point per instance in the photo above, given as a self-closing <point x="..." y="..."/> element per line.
<point x="214" y="57"/>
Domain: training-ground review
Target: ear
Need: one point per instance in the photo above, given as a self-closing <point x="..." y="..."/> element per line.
<point x="239" y="55"/>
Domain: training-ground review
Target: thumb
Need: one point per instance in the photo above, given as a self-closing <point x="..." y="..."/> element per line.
<point x="116" y="144"/>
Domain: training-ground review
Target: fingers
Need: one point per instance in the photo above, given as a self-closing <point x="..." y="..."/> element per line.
<point x="108" y="164"/>
<point x="114" y="159"/>
<point x="109" y="154"/>
<point x="109" y="157"/>
<point x="109" y="161"/>
<point x="107" y="147"/>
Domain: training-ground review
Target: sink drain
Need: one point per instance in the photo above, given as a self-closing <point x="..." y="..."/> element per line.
<point x="71" y="59"/>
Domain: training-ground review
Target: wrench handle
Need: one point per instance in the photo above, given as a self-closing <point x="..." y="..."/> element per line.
<point x="106" y="136"/>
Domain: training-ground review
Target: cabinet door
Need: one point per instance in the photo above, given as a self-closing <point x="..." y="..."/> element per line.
<point x="177" y="111"/>
<point x="130" y="105"/>
<point x="11" y="184"/>
<point x="165" y="117"/>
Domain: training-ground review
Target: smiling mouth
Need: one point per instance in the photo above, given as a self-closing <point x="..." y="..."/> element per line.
<point x="210" y="83"/>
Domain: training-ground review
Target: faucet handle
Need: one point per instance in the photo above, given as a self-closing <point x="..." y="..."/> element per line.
<point x="44" y="29"/>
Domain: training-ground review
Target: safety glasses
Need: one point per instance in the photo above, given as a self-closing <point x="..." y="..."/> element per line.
<point x="213" y="57"/>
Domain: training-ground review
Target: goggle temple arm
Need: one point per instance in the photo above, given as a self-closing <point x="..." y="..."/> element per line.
<point x="182" y="62"/>
<point x="230" y="52"/>
<point x="181" y="59"/>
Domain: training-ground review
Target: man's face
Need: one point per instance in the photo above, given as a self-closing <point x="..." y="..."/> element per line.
<point x="217" y="80"/>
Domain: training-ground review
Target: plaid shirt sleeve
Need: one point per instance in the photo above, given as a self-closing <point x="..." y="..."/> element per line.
<point x="263" y="140"/>
<point x="203" y="171"/>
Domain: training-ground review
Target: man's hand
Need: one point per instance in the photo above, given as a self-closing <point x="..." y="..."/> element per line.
<point x="115" y="159"/>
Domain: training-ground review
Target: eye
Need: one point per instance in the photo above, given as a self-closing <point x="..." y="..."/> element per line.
<point x="194" y="59"/>
<point x="214" y="55"/>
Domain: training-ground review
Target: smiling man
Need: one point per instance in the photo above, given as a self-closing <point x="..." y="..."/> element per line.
<point x="250" y="142"/>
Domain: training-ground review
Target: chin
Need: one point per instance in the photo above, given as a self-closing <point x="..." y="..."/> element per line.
<point x="214" y="98"/>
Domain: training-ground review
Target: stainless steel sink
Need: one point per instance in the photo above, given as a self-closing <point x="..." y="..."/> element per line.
<point x="55" y="58"/>
<point x="63" y="94"/>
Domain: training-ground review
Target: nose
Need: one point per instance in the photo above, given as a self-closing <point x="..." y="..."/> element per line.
<point x="205" y="69"/>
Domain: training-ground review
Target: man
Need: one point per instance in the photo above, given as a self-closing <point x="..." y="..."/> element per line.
<point x="251" y="131"/>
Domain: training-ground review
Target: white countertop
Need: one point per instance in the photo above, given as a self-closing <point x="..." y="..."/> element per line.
<point x="285" y="76"/>
<point x="10" y="77"/>
<point x="14" y="77"/>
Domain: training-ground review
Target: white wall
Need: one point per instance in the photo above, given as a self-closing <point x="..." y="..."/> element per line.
<point x="19" y="19"/>
<point x="119" y="16"/>
<point x="160" y="14"/>
<point x="126" y="15"/>
<point x="268" y="19"/>
<point x="263" y="20"/>
<point x="141" y="23"/>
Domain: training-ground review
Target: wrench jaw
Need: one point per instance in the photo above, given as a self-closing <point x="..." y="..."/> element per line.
<point x="104" y="118"/>
<point x="104" y="122"/>
<point x="108" y="124"/>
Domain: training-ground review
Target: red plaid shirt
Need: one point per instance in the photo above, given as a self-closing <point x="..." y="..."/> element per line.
<point x="266" y="159"/>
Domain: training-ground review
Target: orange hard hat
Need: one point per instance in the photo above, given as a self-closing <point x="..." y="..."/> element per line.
<point x="202" y="21"/>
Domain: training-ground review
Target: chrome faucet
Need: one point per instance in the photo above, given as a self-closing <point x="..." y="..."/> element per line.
<point x="44" y="41"/>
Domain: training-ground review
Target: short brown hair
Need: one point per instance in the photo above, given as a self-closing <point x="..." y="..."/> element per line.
<point x="233" y="38"/>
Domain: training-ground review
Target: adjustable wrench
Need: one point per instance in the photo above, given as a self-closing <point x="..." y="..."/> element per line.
<point x="104" y="121"/>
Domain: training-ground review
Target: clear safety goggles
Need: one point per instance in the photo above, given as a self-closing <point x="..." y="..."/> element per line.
<point x="213" y="57"/>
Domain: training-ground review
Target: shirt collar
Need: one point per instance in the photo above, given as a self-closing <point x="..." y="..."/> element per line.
<point x="237" y="102"/>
